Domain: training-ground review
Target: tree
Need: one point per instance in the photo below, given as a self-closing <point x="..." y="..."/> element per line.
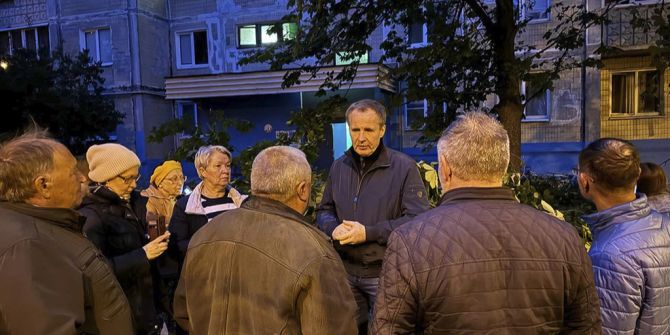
<point x="59" y="92"/>
<point x="473" y="50"/>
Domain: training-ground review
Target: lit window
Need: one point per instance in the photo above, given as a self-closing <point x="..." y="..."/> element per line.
<point x="537" y="9"/>
<point x="636" y="93"/>
<point x="98" y="42"/>
<point x="345" y="58"/>
<point x="255" y="35"/>
<point x="192" y="49"/>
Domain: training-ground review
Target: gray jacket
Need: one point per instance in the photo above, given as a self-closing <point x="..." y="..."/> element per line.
<point x="631" y="265"/>
<point x="660" y="202"/>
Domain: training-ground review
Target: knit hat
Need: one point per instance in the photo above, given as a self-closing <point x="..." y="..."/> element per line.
<point x="162" y="170"/>
<point x="109" y="160"/>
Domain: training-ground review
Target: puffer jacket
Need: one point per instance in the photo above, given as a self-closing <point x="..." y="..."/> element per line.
<point x="263" y="269"/>
<point x="631" y="265"/>
<point x="660" y="202"/>
<point x="382" y="198"/>
<point x="113" y="226"/>
<point x="54" y="281"/>
<point x="482" y="263"/>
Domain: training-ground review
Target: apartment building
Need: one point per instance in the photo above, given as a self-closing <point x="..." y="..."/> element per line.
<point x="179" y="58"/>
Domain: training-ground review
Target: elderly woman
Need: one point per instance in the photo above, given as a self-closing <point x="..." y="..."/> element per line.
<point x="654" y="185"/>
<point x="157" y="202"/>
<point x="209" y="198"/>
<point x="113" y="227"/>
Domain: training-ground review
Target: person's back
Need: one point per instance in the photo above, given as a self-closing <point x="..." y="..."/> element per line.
<point x="263" y="269"/>
<point x="483" y="263"/>
<point x="632" y="252"/>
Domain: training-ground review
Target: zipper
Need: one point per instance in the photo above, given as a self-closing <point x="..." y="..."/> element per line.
<point x="360" y="183"/>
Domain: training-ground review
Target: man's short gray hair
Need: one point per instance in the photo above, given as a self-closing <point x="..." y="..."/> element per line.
<point x="22" y="159"/>
<point x="204" y="155"/>
<point x="476" y="146"/>
<point x="276" y="171"/>
<point x="370" y="104"/>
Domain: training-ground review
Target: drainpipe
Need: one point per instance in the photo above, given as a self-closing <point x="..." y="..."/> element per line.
<point x="583" y="91"/>
<point x="136" y="79"/>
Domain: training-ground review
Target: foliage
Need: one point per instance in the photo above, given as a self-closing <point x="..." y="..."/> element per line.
<point x="245" y="160"/>
<point x="473" y="50"/>
<point x="216" y="132"/>
<point x="430" y="181"/>
<point x="557" y="195"/>
<point x="59" y="92"/>
<point x="657" y="21"/>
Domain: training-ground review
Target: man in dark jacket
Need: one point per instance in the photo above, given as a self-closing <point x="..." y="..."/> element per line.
<point x="262" y="268"/>
<point x="631" y="242"/>
<point x="54" y="281"/>
<point x="370" y="191"/>
<point x="481" y="262"/>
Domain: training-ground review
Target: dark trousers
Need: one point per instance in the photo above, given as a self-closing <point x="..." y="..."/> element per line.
<point x="365" y="292"/>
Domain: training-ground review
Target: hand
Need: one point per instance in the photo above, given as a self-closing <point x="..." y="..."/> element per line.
<point x="156" y="247"/>
<point x="355" y="233"/>
<point x="340" y="231"/>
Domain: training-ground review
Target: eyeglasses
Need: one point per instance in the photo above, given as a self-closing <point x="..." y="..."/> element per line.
<point x="131" y="179"/>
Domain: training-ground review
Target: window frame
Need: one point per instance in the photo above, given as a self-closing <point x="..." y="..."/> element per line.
<point x="191" y="33"/>
<point x="524" y="11"/>
<point x="82" y="43"/>
<point x="259" y="33"/>
<point x="179" y="114"/>
<point x="23" y="35"/>
<point x="548" y="96"/>
<point x="408" y="127"/>
<point x="424" y="41"/>
<point x="636" y="94"/>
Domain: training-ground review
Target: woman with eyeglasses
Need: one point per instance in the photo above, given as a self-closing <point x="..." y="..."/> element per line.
<point x="112" y="225"/>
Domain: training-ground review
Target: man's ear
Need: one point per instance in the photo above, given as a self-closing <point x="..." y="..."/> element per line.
<point x="42" y="185"/>
<point x="444" y="171"/>
<point x="585" y="182"/>
<point x="383" y="131"/>
<point x="303" y="191"/>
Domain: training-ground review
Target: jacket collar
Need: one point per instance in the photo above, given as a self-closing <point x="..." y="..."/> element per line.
<point x="275" y="207"/>
<point x="62" y="217"/>
<point x="154" y="192"/>
<point x="381" y="157"/>
<point x="629" y="211"/>
<point x="477" y="193"/>
<point x="103" y="192"/>
<point x="194" y="203"/>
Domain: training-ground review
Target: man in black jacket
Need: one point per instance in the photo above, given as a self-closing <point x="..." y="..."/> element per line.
<point x="53" y="280"/>
<point x="370" y="191"/>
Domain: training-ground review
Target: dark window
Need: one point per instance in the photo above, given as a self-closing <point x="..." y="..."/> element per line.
<point x="200" y="46"/>
<point x="193" y="48"/>
<point x="636" y="92"/>
<point x="417" y="33"/>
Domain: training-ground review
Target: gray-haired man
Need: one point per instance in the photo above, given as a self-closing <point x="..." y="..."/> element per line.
<point x="263" y="268"/>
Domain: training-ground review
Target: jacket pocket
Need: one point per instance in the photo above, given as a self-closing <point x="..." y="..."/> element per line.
<point x="102" y="286"/>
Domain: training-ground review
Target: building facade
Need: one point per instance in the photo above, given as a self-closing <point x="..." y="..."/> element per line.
<point x="166" y="59"/>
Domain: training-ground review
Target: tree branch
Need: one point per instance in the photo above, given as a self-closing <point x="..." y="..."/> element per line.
<point x="481" y="13"/>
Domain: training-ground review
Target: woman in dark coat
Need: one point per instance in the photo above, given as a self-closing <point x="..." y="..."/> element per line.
<point x="113" y="227"/>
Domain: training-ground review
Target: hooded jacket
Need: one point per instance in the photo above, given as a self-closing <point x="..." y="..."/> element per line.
<point x="54" y="280"/>
<point x="631" y="266"/>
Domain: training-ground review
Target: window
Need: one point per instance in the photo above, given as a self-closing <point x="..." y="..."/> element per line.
<point x="188" y="112"/>
<point x="98" y="42"/>
<point x="636" y="93"/>
<point x="255" y="35"/>
<point x="415" y="114"/>
<point x="36" y="39"/>
<point x="192" y="49"/>
<point x="537" y="9"/>
<point x="417" y="34"/>
<point x="344" y="58"/>
<point x="539" y="106"/>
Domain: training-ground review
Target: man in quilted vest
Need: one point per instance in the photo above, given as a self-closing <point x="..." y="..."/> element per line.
<point x="481" y="262"/>
<point x="631" y="242"/>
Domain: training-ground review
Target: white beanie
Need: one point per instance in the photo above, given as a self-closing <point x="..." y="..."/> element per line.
<point x="106" y="161"/>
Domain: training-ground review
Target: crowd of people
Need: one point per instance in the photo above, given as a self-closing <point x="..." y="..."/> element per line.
<point x="87" y="253"/>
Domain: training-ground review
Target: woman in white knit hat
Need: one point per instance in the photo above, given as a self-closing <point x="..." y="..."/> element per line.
<point x="111" y="224"/>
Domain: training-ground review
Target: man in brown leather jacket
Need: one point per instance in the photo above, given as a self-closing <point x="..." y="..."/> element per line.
<point x="481" y="262"/>
<point x="52" y="279"/>
<point x="263" y="268"/>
